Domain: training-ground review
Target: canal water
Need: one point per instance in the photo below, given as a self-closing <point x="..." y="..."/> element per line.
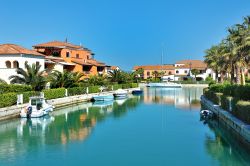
<point x="161" y="127"/>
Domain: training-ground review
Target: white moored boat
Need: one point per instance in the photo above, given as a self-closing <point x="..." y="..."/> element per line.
<point x="120" y="93"/>
<point x="36" y="108"/>
<point x="103" y="97"/>
<point x="164" y="84"/>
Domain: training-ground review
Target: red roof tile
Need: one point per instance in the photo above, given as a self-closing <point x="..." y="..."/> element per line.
<point x="15" y="49"/>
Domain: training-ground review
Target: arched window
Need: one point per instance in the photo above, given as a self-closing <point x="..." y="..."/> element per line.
<point x="177" y="71"/>
<point x="169" y="73"/>
<point x="15" y="64"/>
<point x="8" y="64"/>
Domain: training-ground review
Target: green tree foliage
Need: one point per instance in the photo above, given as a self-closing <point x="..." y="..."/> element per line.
<point x="232" y="54"/>
<point x="65" y="79"/>
<point x="31" y="76"/>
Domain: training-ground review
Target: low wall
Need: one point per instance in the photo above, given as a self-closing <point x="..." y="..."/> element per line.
<point x="228" y="119"/>
<point x="14" y="111"/>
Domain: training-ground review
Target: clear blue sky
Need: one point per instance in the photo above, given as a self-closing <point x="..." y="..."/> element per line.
<point x="123" y="32"/>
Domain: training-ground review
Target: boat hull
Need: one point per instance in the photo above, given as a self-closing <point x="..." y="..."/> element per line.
<point x="164" y="85"/>
<point x="103" y="98"/>
<point x="36" y="113"/>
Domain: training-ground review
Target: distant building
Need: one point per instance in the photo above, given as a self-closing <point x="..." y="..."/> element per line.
<point x="14" y="56"/>
<point x="66" y="56"/>
<point x="181" y="70"/>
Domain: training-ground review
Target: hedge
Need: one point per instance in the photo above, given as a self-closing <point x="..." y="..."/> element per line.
<point x="76" y="91"/>
<point x="8" y="99"/>
<point x="54" y="93"/>
<point x="27" y="95"/>
<point x="243" y="110"/>
<point x="217" y="88"/>
<point x="117" y="86"/>
<point x="8" y="88"/>
<point x="94" y="89"/>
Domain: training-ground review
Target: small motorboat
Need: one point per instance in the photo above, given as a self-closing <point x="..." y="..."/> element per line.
<point x="164" y="85"/>
<point x="206" y="114"/>
<point x="137" y="91"/>
<point x="120" y="93"/>
<point x="37" y="107"/>
<point x="103" y="97"/>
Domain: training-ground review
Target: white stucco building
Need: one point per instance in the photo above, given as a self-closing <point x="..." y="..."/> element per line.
<point x="14" y="56"/>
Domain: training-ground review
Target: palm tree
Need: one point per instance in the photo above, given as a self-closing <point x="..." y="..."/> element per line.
<point x="137" y="75"/>
<point x="195" y="72"/>
<point x="116" y="76"/>
<point x="31" y="76"/>
<point x="65" y="79"/>
<point x="155" y="74"/>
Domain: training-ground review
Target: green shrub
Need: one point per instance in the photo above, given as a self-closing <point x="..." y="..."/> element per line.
<point x="7" y="88"/>
<point x="27" y="95"/>
<point x="54" y="93"/>
<point x="76" y="91"/>
<point x="242" y="92"/>
<point x="94" y="89"/>
<point x="117" y="86"/>
<point x="8" y="99"/>
<point x="125" y="86"/>
<point x="217" y="88"/>
<point x="229" y="90"/>
<point x="134" y="85"/>
<point x="243" y="110"/>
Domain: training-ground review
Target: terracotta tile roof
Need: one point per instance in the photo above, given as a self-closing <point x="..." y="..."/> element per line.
<point x="89" y="62"/>
<point x="198" y="64"/>
<point x="54" y="59"/>
<point x="114" y="67"/>
<point x="58" y="44"/>
<point x="155" y="67"/>
<point x="15" y="49"/>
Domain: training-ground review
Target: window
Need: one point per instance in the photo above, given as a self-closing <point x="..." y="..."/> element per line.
<point x="148" y="73"/>
<point x="201" y="71"/>
<point x="37" y="64"/>
<point x="186" y="71"/>
<point x="177" y="71"/>
<point x="88" y="57"/>
<point x="77" y="55"/>
<point x="8" y="64"/>
<point x="169" y="73"/>
<point x="67" y="54"/>
<point x="15" y="64"/>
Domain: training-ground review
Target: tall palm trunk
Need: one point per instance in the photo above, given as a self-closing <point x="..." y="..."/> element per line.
<point x="238" y="73"/>
<point x="216" y="75"/>
<point x="243" y="80"/>
<point x="232" y="74"/>
<point x="222" y="75"/>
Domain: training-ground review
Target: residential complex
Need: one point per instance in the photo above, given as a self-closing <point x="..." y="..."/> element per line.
<point x="75" y="58"/>
<point x="181" y="70"/>
<point x="14" y="56"/>
<point x="51" y="56"/>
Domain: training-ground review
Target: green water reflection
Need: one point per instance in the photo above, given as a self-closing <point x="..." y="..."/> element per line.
<point x="161" y="127"/>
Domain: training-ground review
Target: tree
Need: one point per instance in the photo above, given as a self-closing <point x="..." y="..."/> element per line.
<point x="119" y="76"/>
<point x="65" y="79"/>
<point x="155" y="74"/>
<point x="195" y="72"/>
<point x="31" y="76"/>
<point x="137" y="75"/>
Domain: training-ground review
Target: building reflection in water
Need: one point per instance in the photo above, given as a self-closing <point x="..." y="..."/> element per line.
<point x="74" y="123"/>
<point x="185" y="98"/>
